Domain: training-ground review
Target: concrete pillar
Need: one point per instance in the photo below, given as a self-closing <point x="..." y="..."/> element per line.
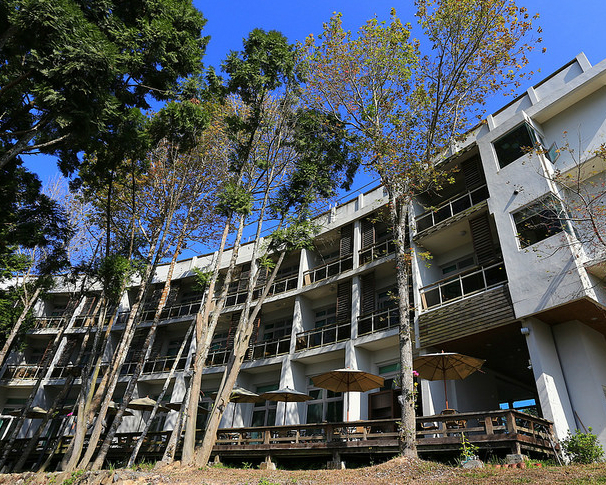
<point x="582" y="352"/>
<point x="549" y="378"/>
<point x="293" y="376"/>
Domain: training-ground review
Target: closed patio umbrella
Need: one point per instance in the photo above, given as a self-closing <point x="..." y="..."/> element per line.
<point x="446" y="365"/>
<point x="348" y="380"/>
<point x="285" y="395"/>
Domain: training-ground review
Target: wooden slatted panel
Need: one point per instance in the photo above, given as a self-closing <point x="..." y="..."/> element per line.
<point x="344" y="302"/>
<point x="368" y="233"/>
<point x="243" y="277"/>
<point x="367" y="303"/>
<point x="153" y="297"/>
<point x="346" y="242"/>
<point x="466" y="317"/>
<point x="70" y="345"/>
<point x="173" y="294"/>
<point x="482" y="238"/>
<point x="263" y="277"/>
<point x="89" y="305"/>
<point x="255" y="333"/>
<point x="472" y="172"/>
<point x="47" y="355"/>
<point x="233" y="326"/>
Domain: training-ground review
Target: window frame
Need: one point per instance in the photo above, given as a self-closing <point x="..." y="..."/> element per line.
<point x="547" y="203"/>
<point x="534" y="138"/>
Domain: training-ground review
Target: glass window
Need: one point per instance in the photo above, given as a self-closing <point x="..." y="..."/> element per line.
<point x="324" y="406"/>
<point x="326" y="317"/>
<point x="539" y="221"/>
<point x="515" y="144"/>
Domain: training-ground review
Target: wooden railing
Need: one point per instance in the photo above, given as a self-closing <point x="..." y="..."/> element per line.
<point x="328" y="269"/>
<point x="451" y="207"/>
<point x="269" y="348"/>
<point x="378" y="320"/>
<point x="376" y="251"/>
<point x="328" y="334"/>
<point x="462" y="285"/>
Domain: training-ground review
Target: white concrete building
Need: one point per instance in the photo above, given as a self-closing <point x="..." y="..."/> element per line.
<point x="509" y="280"/>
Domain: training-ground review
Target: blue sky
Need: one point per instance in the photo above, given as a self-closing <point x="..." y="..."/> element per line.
<point x="568" y="29"/>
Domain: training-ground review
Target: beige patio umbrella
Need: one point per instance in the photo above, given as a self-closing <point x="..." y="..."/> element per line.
<point x="285" y="395"/>
<point x="446" y="365"/>
<point x="112" y="409"/>
<point x="145" y="404"/>
<point x="348" y="380"/>
<point x="33" y="413"/>
<point x="241" y="395"/>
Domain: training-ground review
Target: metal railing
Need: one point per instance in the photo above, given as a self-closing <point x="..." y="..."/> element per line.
<point x="451" y="207"/>
<point x="173" y="311"/>
<point x="328" y="269"/>
<point x="377" y="251"/>
<point x="24" y="371"/>
<point x="462" y="285"/>
<point x="218" y="357"/>
<point x="41" y="323"/>
<point x="269" y="348"/>
<point x="326" y="335"/>
<point x="279" y="286"/>
<point x="163" y="364"/>
<point x="378" y="320"/>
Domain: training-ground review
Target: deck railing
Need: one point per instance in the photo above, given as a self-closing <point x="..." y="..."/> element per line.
<point x="462" y="285"/>
<point x="451" y="207"/>
<point x="327" y="270"/>
<point x="378" y="320"/>
<point x="328" y="334"/>
<point x="377" y="251"/>
<point x="269" y="348"/>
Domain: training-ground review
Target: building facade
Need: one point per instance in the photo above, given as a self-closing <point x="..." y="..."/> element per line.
<point x="499" y="272"/>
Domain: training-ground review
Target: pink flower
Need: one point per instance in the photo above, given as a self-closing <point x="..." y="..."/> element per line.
<point x="415" y="373"/>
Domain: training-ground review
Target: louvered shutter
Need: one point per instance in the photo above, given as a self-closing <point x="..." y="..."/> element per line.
<point x="482" y="238"/>
<point x="367" y="303"/>
<point x="70" y="345"/>
<point x="233" y="326"/>
<point x="368" y="233"/>
<point x="346" y="242"/>
<point x="344" y="302"/>
<point x="472" y="173"/>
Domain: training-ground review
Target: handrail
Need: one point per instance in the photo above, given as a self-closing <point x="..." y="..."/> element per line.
<point x="269" y="348"/>
<point x="377" y="250"/>
<point x="325" y="335"/>
<point x="451" y="207"/>
<point x="48" y="322"/>
<point x="463" y="284"/>
<point x="218" y="357"/>
<point x="327" y="270"/>
<point x="24" y="371"/>
<point x="378" y="320"/>
<point x="279" y="286"/>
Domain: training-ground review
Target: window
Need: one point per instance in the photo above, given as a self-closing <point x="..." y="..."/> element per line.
<point x="324" y="406"/>
<point x="458" y="265"/>
<point x="539" y="221"/>
<point x="276" y="330"/>
<point x="264" y="413"/>
<point x="325" y="317"/>
<point x="514" y="144"/>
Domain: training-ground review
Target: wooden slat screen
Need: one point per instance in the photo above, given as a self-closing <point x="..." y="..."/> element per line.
<point x="344" y="302"/>
<point x="367" y="303"/>
<point x="482" y="238"/>
<point x="346" y="242"/>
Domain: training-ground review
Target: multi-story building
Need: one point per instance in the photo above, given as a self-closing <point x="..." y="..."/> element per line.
<point x="510" y="279"/>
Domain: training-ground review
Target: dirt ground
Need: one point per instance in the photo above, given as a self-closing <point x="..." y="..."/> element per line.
<point x="396" y="471"/>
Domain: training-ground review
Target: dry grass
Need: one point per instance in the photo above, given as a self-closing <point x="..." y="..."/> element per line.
<point x="396" y="471"/>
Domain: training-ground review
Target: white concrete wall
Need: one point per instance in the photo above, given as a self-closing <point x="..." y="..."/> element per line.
<point x="582" y="353"/>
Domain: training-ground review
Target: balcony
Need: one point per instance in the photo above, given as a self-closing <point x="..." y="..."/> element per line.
<point x="451" y="207"/>
<point x="376" y="251"/>
<point x="378" y="320"/>
<point x="282" y="285"/>
<point x="24" y="371"/>
<point x="269" y="348"/>
<point x="329" y="334"/>
<point x="174" y="311"/>
<point x="462" y="285"/>
<point x="327" y="270"/>
<point x="163" y="364"/>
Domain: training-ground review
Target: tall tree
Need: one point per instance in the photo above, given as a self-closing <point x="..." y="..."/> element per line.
<point x="407" y="101"/>
<point x="76" y="71"/>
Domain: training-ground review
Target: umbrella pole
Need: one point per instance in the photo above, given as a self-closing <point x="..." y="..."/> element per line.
<point x="444" y="379"/>
<point x="285" y="408"/>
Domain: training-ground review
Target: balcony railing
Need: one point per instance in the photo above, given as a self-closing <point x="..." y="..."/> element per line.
<point x="377" y="251"/>
<point x="451" y="207"/>
<point x="279" y="286"/>
<point x="269" y="348"/>
<point x="24" y="371"/>
<point x="326" y="335"/>
<point x="327" y="270"/>
<point x="462" y="285"/>
<point x="48" y="322"/>
<point x="218" y="357"/>
<point x="163" y="364"/>
<point x="174" y="311"/>
<point x="378" y="320"/>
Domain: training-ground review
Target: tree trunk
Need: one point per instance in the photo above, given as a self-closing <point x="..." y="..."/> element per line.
<point x="167" y="382"/>
<point x="407" y="427"/>
<point x="9" y="342"/>
<point x="204" y="335"/>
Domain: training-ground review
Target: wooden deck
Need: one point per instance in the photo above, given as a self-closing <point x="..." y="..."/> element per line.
<point x="496" y="431"/>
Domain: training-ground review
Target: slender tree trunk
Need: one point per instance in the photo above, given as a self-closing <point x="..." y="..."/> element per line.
<point x="407" y="427"/>
<point x="171" y="446"/>
<point x="204" y="335"/>
<point x="167" y="382"/>
<point x="11" y="338"/>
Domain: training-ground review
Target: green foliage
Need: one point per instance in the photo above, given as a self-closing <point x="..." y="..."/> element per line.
<point x="296" y="235"/>
<point x="73" y="478"/>
<point x="74" y="71"/>
<point x="201" y="278"/>
<point x="235" y="199"/>
<point x="113" y="271"/>
<point x="468" y="450"/>
<point x="583" y="448"/>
